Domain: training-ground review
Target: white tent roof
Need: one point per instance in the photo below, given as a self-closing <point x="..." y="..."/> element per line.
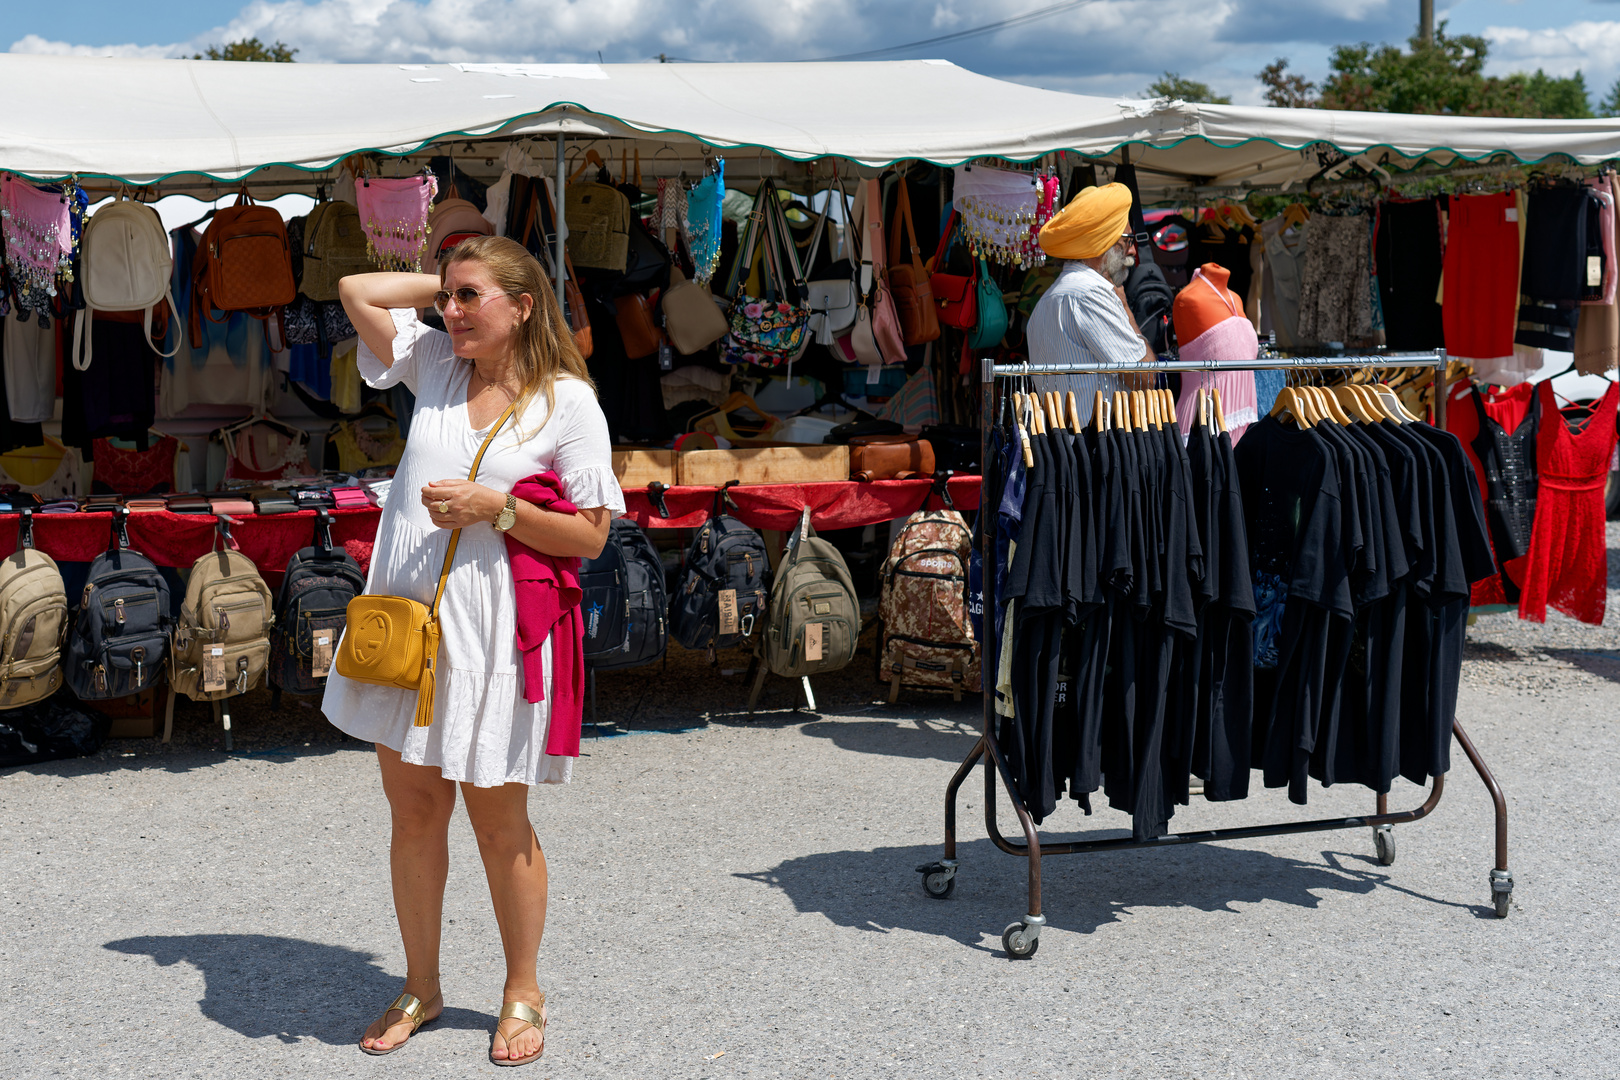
<point x="151" y="120"/>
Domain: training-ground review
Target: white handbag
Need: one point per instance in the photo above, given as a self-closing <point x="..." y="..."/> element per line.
<point x="833" y="301"/>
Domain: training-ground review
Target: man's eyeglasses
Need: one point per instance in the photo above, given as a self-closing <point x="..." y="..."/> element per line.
<point x="467" y="299"/>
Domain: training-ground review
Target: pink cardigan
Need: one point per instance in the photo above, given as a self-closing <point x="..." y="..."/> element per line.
<point x="548" y="596"/>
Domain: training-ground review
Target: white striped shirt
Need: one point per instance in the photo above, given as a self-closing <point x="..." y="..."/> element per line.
<point x="1080" y="320"/>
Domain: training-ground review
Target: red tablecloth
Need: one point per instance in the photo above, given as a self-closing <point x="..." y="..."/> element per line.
<point x="836" y="504"/>
<point x="181" y="539"/>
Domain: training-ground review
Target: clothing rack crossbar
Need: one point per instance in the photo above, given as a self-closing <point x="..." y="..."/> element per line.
<point x="1021" y="937"/>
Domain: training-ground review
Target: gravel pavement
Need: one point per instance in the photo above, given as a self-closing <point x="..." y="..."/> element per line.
<point x="736" y="898"/>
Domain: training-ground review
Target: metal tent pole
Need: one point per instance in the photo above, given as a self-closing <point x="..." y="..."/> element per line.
<point x="557" y="255"/>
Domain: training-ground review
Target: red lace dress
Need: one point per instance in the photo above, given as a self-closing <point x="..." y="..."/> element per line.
<point x="1568" y="560"/>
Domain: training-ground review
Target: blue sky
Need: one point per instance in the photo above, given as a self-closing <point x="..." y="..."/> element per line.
<point x="1112" y="47"/>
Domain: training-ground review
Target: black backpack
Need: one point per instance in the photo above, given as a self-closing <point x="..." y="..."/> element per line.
<point x="119" y="643"/>
<point x="726" y="556"/>
<point x="625" y="602"/>
<point x="312" y="603"/>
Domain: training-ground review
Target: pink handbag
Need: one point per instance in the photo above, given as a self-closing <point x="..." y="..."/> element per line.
<point x="875" y="338"/>
<point x="394" y="215"/>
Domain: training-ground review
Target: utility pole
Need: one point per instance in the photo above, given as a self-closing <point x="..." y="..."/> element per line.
<point x="1426" y="21"/>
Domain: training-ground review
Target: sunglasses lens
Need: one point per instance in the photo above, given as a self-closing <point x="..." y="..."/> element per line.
<point x="467" y="299"/>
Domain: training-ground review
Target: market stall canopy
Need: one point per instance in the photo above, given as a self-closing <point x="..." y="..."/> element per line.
<point x="152" y="120"/>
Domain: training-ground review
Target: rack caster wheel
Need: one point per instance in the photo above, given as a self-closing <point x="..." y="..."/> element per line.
<point x="939" y="878"/>
<point x="1019" y="941"/>
<point x="1501" y="891"/>
<point x="1384" y="844"/>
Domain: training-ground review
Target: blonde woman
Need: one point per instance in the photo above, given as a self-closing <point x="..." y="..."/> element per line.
<point x="505" y="343"/>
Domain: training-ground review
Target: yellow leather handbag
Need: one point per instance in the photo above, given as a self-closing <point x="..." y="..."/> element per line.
<point x="393" y="640"/>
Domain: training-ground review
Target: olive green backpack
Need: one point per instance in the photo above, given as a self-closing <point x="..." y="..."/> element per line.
<point x="813" y="618"/>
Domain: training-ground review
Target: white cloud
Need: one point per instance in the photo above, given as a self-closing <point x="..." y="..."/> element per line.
<point x="1592" y="48"/>
<point x="33" y="43"/>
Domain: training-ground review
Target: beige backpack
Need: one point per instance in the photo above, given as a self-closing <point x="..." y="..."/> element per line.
<point x="334" y="248"/>
<point x="33" y="621"/>
<point x="222" y="643"/>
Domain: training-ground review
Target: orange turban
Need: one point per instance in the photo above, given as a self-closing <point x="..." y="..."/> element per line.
<point x="1092" y="223"/>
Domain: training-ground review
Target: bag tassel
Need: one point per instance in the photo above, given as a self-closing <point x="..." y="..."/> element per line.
<point x="430" y="674"/>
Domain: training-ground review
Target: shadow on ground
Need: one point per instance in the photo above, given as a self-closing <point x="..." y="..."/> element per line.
<point x="880" y="890"/>
<point x="1604" y="663"/>
<point x="260" y="985"/>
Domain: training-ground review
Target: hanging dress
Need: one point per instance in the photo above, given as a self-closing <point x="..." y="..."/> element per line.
<point x="1568" y="561"/>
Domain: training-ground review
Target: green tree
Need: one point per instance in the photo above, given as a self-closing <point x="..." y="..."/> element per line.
<point x="1287" y="91"/>
<point x="250" y="49"/>
<point x="1610" y="106"/>
<point x="1173" y="86"/>
<point x="1445" y="76"/>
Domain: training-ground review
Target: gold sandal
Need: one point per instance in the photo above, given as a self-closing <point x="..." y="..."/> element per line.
<point x="531" y="1018"/>
<point x="415" y="1010"/>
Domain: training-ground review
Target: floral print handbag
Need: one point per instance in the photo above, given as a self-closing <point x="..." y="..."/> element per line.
<point x="773" y="329"/>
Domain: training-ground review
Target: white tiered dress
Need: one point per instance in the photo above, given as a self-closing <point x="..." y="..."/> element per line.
<point x="484" y="729"/>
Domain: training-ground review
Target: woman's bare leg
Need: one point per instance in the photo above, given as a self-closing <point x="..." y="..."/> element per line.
<point x="420" y="801"/>
<point x="516" y="868"/>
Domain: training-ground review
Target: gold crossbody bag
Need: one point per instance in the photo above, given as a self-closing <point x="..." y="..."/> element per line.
<point x="393" y="640"/>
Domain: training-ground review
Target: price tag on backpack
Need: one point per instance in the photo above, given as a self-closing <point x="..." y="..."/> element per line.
<point x="1594" y="271"/>
<point x="321" y="662"/>
<point x="213" y="669"/>
<point x="666" y="356"/>
<point x="728" y="611"/>
<point x="813" y="635"/>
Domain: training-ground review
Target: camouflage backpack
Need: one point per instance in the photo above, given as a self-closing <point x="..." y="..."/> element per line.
<point x="927" y="634"/>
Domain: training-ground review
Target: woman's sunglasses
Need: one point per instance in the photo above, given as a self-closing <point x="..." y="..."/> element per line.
<point x="467" y="299"/>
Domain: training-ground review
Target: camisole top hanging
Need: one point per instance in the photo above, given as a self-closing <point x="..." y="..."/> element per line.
<point x="1509" y="463"/>
<point x="1568" y="563"/>
<point x="50" y="471"/>
<point x="266" y="452"/>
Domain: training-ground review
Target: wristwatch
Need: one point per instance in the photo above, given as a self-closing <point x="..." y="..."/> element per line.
<point x="508" y="515"/>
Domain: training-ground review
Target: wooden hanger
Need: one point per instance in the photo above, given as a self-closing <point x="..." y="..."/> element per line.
<point x="1220" y="415"/>
<point x="1295" y="216"/>
<point x="1290" y="404"/>
<point x="1074" y="413"/>
<point x="1054" y="411"/>
<point x="1098" y="419"/>
<point x="1356" y="404"/>
<point x="591" y="158"/>
<point x="1122" y="410"/>
<point x="1330" y="405"/>
<point x="1169" y="401"/>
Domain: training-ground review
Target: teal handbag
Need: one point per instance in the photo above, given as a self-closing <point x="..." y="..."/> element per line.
<point x="991" y="326"/>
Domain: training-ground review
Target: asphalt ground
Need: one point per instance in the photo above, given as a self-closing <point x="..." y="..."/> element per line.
<point x="736" y="897"/>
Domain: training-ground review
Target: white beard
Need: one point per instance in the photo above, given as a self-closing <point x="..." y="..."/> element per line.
<point x="1116" y="265"/>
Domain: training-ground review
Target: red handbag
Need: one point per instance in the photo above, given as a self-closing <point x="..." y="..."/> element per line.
<point x="956" y="295"/>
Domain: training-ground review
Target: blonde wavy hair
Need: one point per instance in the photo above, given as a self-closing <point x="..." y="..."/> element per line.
<point x="545" y="347"/>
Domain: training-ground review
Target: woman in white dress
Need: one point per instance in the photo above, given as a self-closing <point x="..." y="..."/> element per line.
<point x="507" y="344"/>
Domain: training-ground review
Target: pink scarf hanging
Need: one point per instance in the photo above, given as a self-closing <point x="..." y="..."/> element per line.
<point x="38" y="232"/>
<point x="394" y="214"/>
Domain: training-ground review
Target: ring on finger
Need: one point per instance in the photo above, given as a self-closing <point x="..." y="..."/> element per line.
<point x="444" y="506"/>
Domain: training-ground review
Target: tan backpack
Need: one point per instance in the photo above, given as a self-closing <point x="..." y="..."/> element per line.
<point x="222" y="643"/>
<point x="598" y="226"/>
<point x="334" y="248"/>
<point x="927" y="636"/>
<point x="33" y="622"/>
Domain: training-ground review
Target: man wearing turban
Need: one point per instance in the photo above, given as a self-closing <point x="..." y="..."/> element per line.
<point x="1083" y="318"/>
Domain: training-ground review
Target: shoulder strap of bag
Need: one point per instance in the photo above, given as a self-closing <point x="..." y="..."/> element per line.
<point x="902" y="200"/>
<point x="748" y="241"/>
<point x="455" y="536"/>
<point x="937" y="264"/>
<point x="859" y="217"/>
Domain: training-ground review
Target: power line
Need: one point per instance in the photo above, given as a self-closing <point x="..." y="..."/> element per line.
<point x="989" y="28"/>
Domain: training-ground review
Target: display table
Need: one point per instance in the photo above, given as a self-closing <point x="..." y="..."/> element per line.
<point x="836" y="504"/>
<point x="181" y="539"/>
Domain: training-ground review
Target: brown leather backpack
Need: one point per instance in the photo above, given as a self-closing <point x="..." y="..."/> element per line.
<point x="244" y="263"/>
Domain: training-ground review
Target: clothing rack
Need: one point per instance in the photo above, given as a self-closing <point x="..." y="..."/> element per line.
<point x="1022" y="937"/>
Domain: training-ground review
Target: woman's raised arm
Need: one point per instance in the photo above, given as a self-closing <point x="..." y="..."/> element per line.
<point x="367" y="299"/>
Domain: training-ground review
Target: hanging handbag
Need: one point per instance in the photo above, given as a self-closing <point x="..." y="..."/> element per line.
<point x="692" y="319"/>
<point x="991" y="326"/>
<point x="638" y="330"/>
<point x="875" y="337"/>
<point x="394" y="640"/>
<point x="773" y="329"/>
<point x="534" y="235"/>
<point x="833" y="300"/>
<point x="956" y="299"/>
<point x="908" y="277"/>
